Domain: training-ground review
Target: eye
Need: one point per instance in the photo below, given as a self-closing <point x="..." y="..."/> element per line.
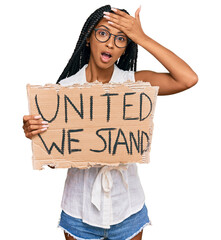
<point x="121" y="38"/>
<point x="102" y="33"/>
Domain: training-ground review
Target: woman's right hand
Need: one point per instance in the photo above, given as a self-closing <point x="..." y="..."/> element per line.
<point x="33" y="125"/>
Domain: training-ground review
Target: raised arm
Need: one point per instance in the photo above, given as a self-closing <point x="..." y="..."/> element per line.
<point x="179" y="77"/>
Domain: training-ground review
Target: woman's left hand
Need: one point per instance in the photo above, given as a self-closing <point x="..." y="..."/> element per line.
<point x="131" y="26"/>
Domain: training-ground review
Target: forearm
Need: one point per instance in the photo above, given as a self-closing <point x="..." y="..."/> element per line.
<point x="177" y="68"/>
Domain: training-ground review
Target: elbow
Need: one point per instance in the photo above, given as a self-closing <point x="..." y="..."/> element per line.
<point x="192" y="81"/>
<point x="195" y="79"/>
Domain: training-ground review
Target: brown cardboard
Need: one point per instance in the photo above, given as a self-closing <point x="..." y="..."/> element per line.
<point x="93" y="124"/>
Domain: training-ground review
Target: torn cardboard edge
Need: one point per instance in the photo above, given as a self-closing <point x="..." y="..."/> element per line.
<point x="41" y="158"/>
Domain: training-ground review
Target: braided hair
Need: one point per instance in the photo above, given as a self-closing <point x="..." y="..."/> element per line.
<point x="81" y="54"/>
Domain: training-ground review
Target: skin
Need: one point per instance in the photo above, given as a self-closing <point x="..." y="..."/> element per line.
<point x="179" y="77"/>
<point x="96" y="68"/>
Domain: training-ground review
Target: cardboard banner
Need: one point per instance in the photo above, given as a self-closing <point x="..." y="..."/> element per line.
<point x="93" y="124"/>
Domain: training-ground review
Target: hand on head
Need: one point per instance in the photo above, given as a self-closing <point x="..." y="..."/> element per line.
<point x="131" y="26"/>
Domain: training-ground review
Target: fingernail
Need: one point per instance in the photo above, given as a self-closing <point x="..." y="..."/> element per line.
<point x="37" y="117"/>
<point x="45" y="126"/>
<point x="43" y="129"/>
<point x="106" y="13"/>
<point x="106" y="17"/>
<point x="44" y="122"/>
<point x="110" y="22"/>
<point x="114" y="9"/>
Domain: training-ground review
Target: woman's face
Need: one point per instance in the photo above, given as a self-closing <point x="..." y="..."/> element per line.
<point x="105" y="54"/>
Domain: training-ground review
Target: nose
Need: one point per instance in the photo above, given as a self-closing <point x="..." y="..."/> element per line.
<point x="110" y="42"/>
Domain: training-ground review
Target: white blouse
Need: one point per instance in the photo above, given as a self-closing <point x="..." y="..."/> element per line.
<point x="102" y="196"/>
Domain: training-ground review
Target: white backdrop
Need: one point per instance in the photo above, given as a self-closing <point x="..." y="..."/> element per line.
<point x="182" y="181"/>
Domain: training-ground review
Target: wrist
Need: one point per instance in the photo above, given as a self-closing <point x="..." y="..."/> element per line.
<point x="142" y="39"/>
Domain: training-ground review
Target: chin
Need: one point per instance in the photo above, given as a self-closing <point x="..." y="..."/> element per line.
<point x="102" y="65"/>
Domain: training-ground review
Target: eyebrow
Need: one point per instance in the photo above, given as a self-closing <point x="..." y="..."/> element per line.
<point x="108" y="28"/>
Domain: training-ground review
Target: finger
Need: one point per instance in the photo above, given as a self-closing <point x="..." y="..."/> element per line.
<point x="34" y="133"/>
<point x="121" y="13"/>
<point x="35" y="122"/>
<point x="116" y="25"/>
<point x="34" y="127"/>
<point x="137" y="16"/>
<point x="116" y="19"/>
<point x="29" y="117"/>
<point x="122" y="26"/>
<point x="108" y="15"/>
<point x="119" y="22"/>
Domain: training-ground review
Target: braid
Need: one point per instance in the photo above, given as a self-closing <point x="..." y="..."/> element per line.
<point x="81" y="53"/>
<point x="128" y="61"/>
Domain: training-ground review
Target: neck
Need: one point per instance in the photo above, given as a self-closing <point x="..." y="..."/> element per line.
<point x="93" y="73"/>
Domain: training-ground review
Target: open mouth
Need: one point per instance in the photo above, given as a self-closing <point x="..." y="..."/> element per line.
<point x="105" y="56"/>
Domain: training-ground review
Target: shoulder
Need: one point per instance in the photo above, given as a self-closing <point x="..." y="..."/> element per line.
<point x="120" y="75"/>
<point x="77" y="78"/>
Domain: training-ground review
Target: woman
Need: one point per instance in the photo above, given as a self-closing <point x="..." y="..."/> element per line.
<point x="107" y="51"/>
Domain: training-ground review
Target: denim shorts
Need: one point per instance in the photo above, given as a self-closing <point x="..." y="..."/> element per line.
<point x="124" y="230"/>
